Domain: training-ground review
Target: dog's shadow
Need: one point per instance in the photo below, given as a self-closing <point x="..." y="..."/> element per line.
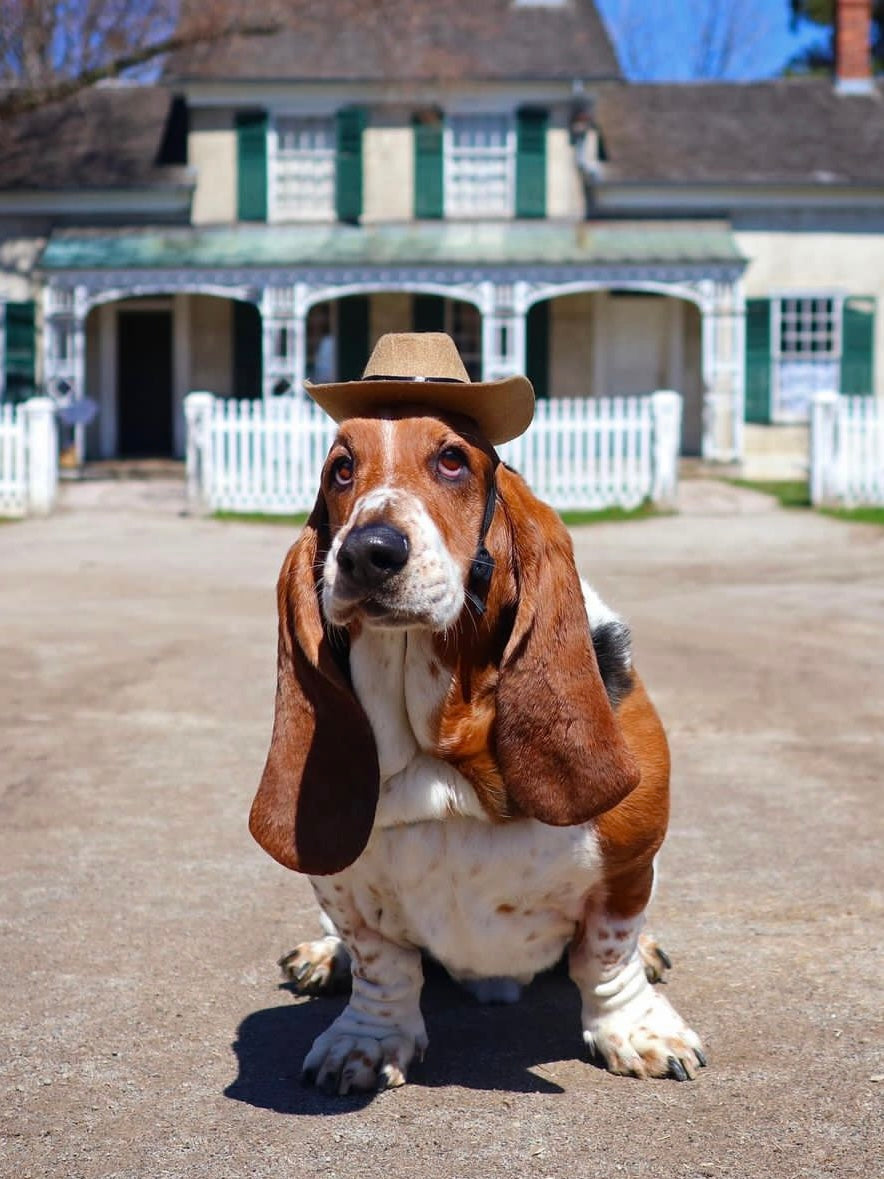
<point x="479" y="1047"/>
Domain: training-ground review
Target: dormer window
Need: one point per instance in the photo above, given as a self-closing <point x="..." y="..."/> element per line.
<point x="302" y="168"/>
<point x="480" y="165"/>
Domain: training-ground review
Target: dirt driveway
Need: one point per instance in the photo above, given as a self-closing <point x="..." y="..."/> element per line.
<point x="142" y="1028"/>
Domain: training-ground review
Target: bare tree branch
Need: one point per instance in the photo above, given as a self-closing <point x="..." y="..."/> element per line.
<point x="52" y="49"/>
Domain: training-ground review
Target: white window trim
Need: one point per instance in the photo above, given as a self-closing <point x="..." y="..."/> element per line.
<point x="778" y="415"/>
<point x="276" y="214"/>
<point x="448" y="151"/>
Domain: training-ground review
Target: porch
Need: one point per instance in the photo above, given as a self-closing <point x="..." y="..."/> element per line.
<point x="137" y="320"/>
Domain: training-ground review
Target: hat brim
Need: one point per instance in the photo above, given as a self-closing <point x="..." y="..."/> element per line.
<point x="502" y="409"/>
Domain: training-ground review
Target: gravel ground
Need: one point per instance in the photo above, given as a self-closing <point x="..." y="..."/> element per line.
<point x="143" y="1031"/>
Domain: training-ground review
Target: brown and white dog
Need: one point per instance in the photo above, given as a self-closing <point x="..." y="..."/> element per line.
<point x="447" y="762"/>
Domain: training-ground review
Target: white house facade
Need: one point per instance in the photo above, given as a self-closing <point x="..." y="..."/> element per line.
<point x="276" y="207"/>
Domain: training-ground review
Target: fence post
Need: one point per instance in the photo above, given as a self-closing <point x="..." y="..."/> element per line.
<point x="666" y="418"/>
<point x="198" y="409"/>
<point x="823" y="454"/>
<point x="41" y="448"/>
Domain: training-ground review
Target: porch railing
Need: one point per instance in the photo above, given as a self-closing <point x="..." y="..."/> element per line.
<point x="28" y="457"/>
<point x="847" y="450"/>
<point x="579" y="453"/>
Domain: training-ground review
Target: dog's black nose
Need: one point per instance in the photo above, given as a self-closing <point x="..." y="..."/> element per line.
<point x="372" y="554"/>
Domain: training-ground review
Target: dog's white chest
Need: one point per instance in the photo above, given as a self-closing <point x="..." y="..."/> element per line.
<point x="401" y="687"/>
<point x="484" y="898"/>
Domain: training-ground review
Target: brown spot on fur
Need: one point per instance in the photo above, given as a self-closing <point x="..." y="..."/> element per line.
<point x="506" y="908"/>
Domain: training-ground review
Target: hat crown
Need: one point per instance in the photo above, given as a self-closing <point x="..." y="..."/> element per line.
<point x="416" y="356"/>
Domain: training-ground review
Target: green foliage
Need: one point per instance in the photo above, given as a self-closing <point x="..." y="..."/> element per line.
<point x="792" y="493"/>
<point x="857" y="515"/>
<point x="612" y="515"/>
<point x="820" y="57"/>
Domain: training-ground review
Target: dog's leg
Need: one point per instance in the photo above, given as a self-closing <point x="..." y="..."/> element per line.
<point x="320" y="967"/>
<point x="629" y="1025"/>
<point x="373" y="1041"/>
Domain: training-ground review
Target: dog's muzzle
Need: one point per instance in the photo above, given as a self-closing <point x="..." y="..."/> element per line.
<point x="370" y="556"/>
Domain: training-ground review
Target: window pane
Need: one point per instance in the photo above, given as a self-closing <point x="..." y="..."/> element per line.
<point x="304" y="176"/>
<point x="479" y="166"/>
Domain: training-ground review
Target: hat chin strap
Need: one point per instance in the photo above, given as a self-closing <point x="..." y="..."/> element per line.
<point x="482" y="567"/>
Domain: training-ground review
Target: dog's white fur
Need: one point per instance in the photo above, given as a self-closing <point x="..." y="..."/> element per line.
<point x="495" y="905"/>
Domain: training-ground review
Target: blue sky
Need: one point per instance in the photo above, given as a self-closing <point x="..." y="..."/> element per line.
<point x="662" y="36"/>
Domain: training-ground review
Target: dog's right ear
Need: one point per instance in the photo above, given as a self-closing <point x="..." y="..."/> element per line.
<point x="316" y="802"/>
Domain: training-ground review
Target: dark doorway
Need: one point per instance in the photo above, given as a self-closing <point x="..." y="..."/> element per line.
<point x="144" y="383"/>
<point x="247" y="365"/>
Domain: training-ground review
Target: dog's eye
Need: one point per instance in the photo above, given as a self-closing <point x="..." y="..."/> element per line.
<point x="342" y="471"/>
<point x="451" y="462"/>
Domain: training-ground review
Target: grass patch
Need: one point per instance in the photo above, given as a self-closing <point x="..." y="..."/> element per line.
<point x="298" y="520"/>
<point x="856" y="515"/>
<point x="602" y="516"/>
<point x="613" y="515"/>
<point x="792" y="493"/>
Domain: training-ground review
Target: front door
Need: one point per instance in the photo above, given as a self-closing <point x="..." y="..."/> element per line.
<point x="144" y="383"/>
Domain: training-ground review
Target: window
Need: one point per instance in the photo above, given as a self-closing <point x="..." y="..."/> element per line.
<point x="806" y="352"/>
<point x="303" y="168"/>
<point x="480" y="165"/>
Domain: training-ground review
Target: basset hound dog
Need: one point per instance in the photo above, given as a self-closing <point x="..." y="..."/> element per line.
<point x="463" y="758"/>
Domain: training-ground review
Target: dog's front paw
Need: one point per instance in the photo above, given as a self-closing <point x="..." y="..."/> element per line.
<point x="318" y="968"/>
<point x="356" y="1056"/>
<point x="645" y="1038"/>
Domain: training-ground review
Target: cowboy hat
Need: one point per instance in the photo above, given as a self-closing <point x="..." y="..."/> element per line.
<point x="425" y="368"/>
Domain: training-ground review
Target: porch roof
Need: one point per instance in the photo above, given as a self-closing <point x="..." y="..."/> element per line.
<point x="456" y="244"/>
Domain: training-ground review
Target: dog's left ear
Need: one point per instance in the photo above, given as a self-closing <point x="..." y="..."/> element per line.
<point x="315" y="806"/>
<point x="560" y="750"/>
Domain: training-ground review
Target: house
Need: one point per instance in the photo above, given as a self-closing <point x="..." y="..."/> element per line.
<point x="277" y="203"/>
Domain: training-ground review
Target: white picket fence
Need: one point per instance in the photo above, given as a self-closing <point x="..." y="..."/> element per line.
<point x="28" y="457"/>
<point x="847" y="451"/>
<point x="579" y="453"/>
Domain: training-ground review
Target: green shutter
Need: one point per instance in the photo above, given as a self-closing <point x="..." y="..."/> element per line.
<point x="857" y="345"/>
<point x="428" y="199"/>
<point x="348" y="163"/>
<point x="428" y="313"/>
<point x="758" y="360"/>
<point x="537" y="360"/>
<point x="20" y="351"/>
<point x="251" y="165"/>
<point x="352" y="336"/>
<point x="531" y="163"/>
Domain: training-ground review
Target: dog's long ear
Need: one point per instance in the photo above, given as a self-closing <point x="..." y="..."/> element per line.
<point x="562" y="756"/>
<point x="315" y="805"/>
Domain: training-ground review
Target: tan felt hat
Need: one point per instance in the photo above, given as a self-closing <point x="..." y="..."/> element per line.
<point x="425" y="368"/>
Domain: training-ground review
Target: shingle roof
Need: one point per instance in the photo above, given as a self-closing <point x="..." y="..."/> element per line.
<point x="106" y="137"/>
<point x="417" y="40"/>
<point x="788" y="131"/>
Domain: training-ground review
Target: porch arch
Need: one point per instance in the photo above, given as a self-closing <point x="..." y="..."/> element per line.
<point x="339" y="325"/>
<point x="205" y="339"/>
<point x="597" y="340"/>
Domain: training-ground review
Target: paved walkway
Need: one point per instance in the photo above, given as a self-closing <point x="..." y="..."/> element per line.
<point x="142" y="1030"/>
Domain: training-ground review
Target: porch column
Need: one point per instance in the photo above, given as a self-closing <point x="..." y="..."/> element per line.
<point x="278" y="332"/>
<point x="64" y="349"/>
<point x="723" y="312"/>
<point x="300" y="313"/>
<point x="504" y="309"/>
